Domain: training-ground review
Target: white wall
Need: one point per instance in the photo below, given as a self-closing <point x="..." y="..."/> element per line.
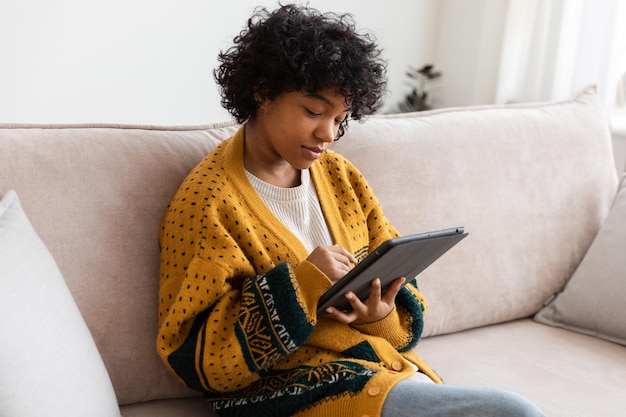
<point x="468" y="38"/>
<point x="151" y="61"/>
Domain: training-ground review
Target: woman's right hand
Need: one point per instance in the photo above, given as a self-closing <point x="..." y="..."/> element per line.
<point x="334" y="261"/>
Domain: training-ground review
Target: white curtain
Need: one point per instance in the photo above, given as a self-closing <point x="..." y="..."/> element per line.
<point x="551" y="48"/>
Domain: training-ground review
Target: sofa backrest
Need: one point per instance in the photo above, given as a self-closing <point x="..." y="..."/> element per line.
<point x="530" y="183"/>
<point x="96" y="195"/>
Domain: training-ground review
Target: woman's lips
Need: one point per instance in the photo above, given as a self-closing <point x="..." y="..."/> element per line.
<point x="313" y="153"/>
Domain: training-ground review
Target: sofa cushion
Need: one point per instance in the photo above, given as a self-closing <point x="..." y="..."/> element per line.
<point x="566" y="374"/>
<point x="96" y="196"/>
<point x="599" y="283"/>
<point x="49" y="363"/>
<point x="174" y="407"/>
<point x="530" y="182"/>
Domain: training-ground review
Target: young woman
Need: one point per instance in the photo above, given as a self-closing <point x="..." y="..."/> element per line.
<point x="268" y="221"/>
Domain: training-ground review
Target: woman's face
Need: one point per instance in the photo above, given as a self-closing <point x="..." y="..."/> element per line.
<point x="296" y="127"/>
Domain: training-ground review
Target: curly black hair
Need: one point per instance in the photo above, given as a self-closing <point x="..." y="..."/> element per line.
<point x="297" y="48"/>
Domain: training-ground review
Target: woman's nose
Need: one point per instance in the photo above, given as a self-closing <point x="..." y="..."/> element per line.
<point x="327" y="131"/>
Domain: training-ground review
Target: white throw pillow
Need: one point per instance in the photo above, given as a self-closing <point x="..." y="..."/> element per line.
<point x="593" y="299"/>
<point x="49" y="363"/>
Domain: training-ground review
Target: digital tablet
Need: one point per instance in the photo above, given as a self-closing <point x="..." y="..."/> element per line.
<point x="404" y="256"/>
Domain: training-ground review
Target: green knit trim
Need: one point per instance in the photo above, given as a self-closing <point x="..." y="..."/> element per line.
<point x="270" y="325"/>
<point x="408" y="302"/>
<point x="183" y="359"/>
<point x="364" y="351"/>
<point x="284" y="393"/>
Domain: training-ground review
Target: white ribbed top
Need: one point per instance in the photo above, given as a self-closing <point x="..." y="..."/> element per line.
<point x="298" y="208"/>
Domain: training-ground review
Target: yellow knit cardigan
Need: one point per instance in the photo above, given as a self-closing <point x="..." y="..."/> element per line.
<point x="237" y="298"/>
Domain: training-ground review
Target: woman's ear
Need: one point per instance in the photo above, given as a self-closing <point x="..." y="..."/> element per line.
<point x="259" y="101"/>
<point x="259" y="97"/>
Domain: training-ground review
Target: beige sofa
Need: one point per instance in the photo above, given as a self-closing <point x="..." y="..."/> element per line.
<point x="533" y="184"/>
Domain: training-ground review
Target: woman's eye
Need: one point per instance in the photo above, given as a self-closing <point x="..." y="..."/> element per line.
<point x="311" y="112"/>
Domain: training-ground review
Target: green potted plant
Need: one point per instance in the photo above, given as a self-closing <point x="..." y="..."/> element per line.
<point x="420" y="78"/>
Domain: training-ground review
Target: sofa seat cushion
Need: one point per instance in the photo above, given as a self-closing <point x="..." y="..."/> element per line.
<point x="599" y="283"/>
<point x="49" y="363"/>
<point x="565" y="373"/>
<point x="187" y="407"/>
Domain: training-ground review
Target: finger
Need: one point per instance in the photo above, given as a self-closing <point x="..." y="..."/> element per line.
<point x="392" y="291"/>
<point x="375" y="291"/>
<point x="349" y="258"/>
<point x="340" y="316"/>
<point x="356" y="304"/>
<point x="341" y="267"/>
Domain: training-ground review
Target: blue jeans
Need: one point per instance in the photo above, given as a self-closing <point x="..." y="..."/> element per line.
<point x="422" y="399"/>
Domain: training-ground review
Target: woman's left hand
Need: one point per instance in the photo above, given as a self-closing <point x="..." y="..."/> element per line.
<point x="376" y="307"/>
